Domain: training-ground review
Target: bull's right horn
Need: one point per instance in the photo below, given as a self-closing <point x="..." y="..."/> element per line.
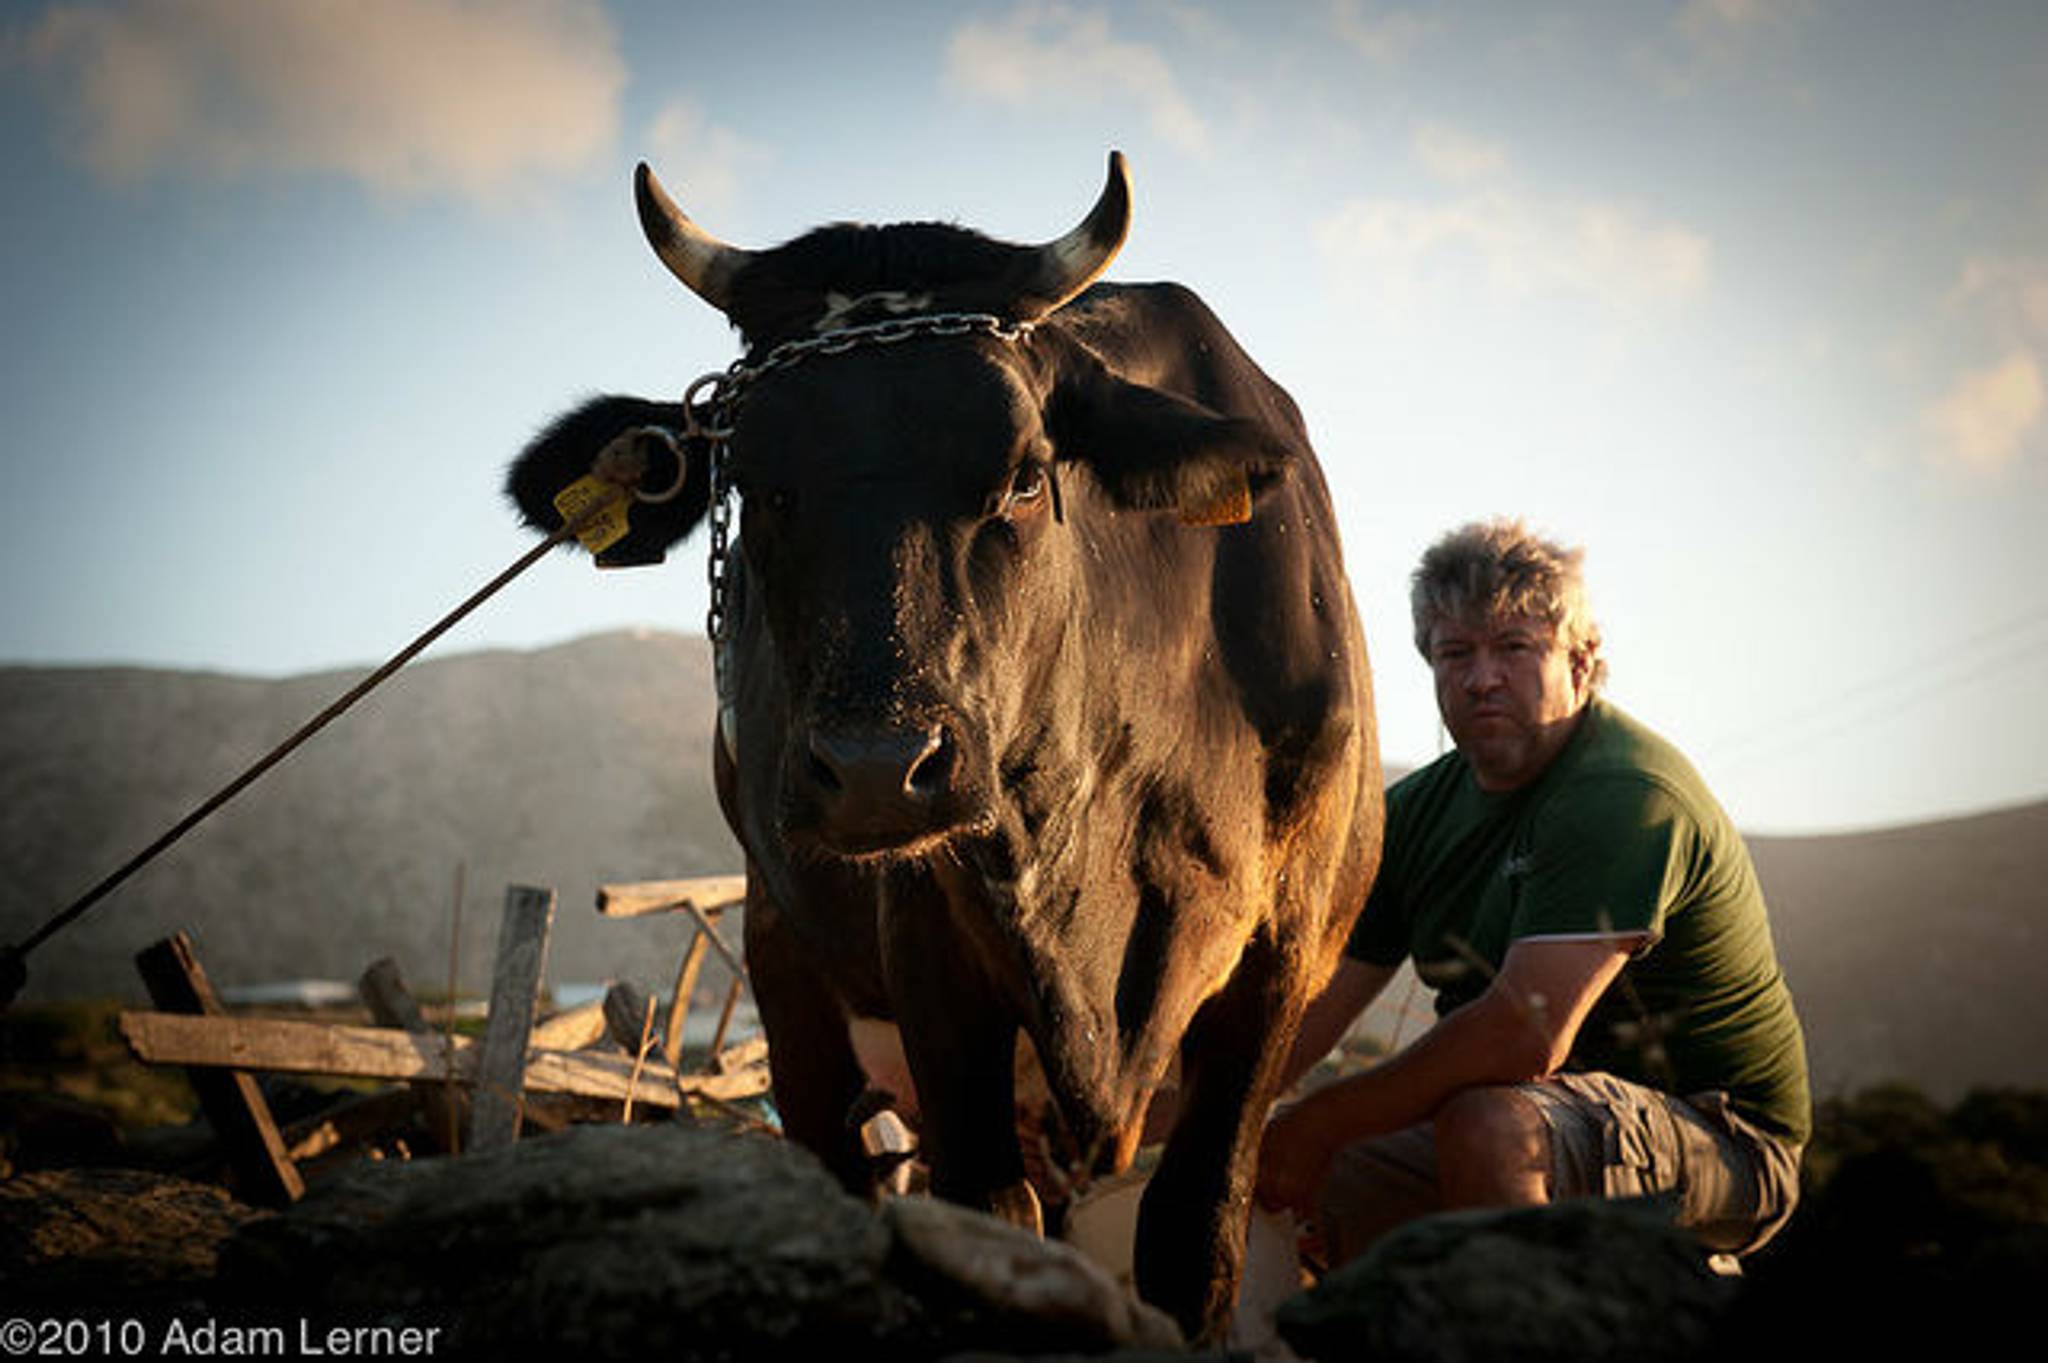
<point x="704" y="263"/>
<point x="1065" y="267"/>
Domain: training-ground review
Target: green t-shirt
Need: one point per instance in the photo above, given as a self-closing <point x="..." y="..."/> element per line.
<point x="1619" y="835"/>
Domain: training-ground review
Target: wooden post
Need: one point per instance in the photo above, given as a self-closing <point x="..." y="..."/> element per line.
<point x="679" y="1003"/>
<point x="515" y="995"/>
<point x="732" y="999"/>
<point x="232" y="1102"/>
<point x="391" y="1004"/>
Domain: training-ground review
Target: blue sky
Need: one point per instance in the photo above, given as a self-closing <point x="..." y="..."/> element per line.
<point x="1750" y="297"/>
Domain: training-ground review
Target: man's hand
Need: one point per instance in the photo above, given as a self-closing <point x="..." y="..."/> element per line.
<point x="1294" y="1159"/>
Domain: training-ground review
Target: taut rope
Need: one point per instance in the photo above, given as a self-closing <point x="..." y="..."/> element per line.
<point x="14" y="959"/>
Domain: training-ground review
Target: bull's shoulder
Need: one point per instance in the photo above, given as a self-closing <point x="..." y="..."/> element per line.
<point x="1162" y="335"/>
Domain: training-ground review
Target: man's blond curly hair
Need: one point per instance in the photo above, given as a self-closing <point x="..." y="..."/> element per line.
<point x="1489" y="569"/>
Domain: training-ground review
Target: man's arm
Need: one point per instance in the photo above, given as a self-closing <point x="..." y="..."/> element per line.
<point x="1330" y="1014"/>
<point x="1521" y="1028"/>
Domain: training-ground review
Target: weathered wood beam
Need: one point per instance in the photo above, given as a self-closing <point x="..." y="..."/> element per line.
<point x="571" y="1029"/>
<point x="357" y="1119"/>
<point x="232" y="1102"/>
<point x="293" y="1047"/>
<point x="496" y="1106"/>
<point x="711" y="895"/>
<point x="679" y="1001"/>
<point x="392" y="1005"/>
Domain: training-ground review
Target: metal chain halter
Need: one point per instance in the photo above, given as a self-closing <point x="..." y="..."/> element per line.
<point x="711" y="421"/>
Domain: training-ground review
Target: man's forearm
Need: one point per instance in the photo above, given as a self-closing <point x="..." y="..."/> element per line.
<point x="1485" y="1042"/>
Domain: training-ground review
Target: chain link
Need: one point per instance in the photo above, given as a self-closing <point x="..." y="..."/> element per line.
<point x="712" y="422"/>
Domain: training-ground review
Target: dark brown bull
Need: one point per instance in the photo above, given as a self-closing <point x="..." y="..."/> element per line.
<point x="1047" y="706"/>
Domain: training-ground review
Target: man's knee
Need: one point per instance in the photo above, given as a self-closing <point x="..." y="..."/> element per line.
<point x="1492" y="1147"/>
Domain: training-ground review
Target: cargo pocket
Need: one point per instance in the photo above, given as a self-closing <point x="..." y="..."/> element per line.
<point x="1637" y="1155"/>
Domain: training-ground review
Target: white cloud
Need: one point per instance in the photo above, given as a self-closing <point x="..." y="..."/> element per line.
<point x="1048" y="55"/>
<point x="405" y="96"/>
<point x="705" y="163"/>
<point x="2011" y="292"/>
<point x="1984" y="422"/>
<point x="1382" y="39"/>
<point x="1456" y="156"/>
<point x="1405" y="252"/>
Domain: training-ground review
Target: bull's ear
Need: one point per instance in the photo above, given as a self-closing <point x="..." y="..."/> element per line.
<point x="565" y="451"/>
<point x="1152" y="450"/>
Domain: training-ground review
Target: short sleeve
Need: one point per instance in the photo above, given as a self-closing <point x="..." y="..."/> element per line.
<point x="1609" y="856"/>
<point x="1380" y="936"/>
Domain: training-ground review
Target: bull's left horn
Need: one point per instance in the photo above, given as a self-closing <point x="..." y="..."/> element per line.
<point x="703" y="262"/>
<point x="1076" y="260"/>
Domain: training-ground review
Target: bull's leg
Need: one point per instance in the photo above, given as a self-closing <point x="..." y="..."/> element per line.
<point x="816" y="1076"/>
<point x="1191" y="1225"/>
<point x="961" y="1046"/>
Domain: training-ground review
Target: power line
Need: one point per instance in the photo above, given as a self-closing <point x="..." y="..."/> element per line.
<point x="1950" y="669"/>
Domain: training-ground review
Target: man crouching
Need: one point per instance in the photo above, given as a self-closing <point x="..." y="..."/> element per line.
<point x="1611" y="1017"/>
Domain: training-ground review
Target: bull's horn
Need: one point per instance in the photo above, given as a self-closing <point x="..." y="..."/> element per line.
<point x="1071" y="264"/>
<point x="703" y="262"/>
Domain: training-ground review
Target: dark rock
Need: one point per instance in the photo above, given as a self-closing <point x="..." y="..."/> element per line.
<point x="665" y="1242"/>
<point x="1576" y="1282"/>
<point x="672" y="1242"/>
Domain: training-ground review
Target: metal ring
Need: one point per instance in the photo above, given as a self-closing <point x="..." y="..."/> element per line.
<point x="691" y="425"/>
<point x="675" y="447"/>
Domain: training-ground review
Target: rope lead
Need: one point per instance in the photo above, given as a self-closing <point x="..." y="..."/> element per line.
<point x="14" y="959"/>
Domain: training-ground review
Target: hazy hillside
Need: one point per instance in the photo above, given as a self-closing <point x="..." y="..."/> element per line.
<point x="565" y="767"/>
<point x="1914" y="953"/>
<point x="1918" y="951"/>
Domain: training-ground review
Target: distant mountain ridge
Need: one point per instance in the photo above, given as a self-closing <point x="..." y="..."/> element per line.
<point x="1914" y="953"/>
<point x="566" y="767"/>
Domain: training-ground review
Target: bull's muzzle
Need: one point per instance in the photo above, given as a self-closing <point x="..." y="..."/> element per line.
<point x="878" y="789"/>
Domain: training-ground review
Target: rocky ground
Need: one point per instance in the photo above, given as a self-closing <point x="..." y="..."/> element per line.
<point x="712" y="1238"/>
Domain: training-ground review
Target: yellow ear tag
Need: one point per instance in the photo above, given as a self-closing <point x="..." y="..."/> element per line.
<point x="607" y="525"/>
<point x="1231" y="506"/>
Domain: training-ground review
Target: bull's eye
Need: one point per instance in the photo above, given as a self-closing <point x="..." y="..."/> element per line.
<point x="1027" y="485"/>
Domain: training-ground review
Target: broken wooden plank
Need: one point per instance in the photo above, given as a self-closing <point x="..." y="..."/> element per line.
<point x="232" y="1102"/>
<point x="495" y="1107"/>
<point x="732" y="1001"/>
<point x="731" y="958"/>
<point x="571" y="1029"/>
<point x="355" y="1119"/>
<point x="294" y="1047"/>
<point x="711" y="895"/>
<point x="392" y="1005"/>
<point x="679" y="1001"/>
<point x="741" y="1055"/>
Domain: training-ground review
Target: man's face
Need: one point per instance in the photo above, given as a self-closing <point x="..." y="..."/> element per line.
<point x="1509" y="693"/>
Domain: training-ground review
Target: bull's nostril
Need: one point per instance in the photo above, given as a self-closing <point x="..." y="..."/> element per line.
<point x="929" y="774"/>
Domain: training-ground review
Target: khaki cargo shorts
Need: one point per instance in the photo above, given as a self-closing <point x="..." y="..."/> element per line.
<point x="1736" y="1183"/>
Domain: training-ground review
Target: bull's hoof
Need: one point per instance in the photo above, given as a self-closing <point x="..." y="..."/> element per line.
<point x="1018" y="1205"/>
